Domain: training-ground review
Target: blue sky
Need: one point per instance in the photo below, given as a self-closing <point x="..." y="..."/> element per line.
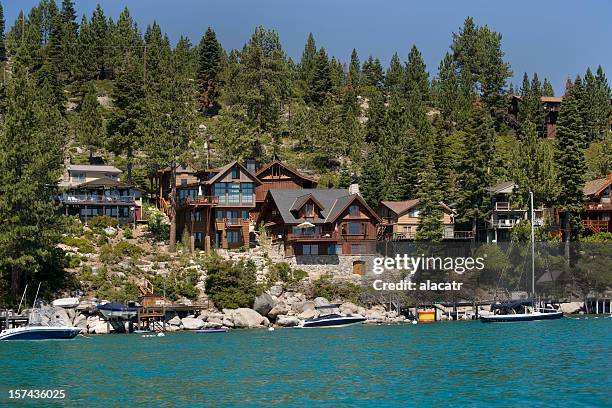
<point x="555" y="38"/>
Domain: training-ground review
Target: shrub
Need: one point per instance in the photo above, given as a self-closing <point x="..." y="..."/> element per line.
<point x="128" y="233"/>
<point x="72" y="261"/>
<point x="73" y="225"/>
<point x="99" y="222"/>
<point x="83" y="245"/>
<point x="283" y="272"/>
<point x="231" y="284"/>
<point x="179" y="283"/>
<point x="127" y="249"/>
<point x="598" y="238"/>
<point x="325" y="287"/>
<point x="160" y="231"/>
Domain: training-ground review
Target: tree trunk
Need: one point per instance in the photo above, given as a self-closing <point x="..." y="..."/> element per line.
<point x="173" y="207"/>
<point x="567" y="230"/>
<point x="15" y="281"/>
<point x="129" y="164"/>
<point x="474" y="229"/>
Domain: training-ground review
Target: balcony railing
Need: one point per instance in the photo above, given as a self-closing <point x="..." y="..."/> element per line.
<point x="200" y="200"/>
<point x="505" y="206"/>
<point x="93" y="199"/>
<point x="508" y="223"/>
<point x="597" y="226"/>
<point x="603" y="205"/>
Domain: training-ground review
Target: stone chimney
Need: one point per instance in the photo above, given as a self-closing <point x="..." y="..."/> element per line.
<point x="354" y="189"/>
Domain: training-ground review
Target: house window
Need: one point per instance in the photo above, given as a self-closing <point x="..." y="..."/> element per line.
<point x="335" y="249"/>
<point x="234" y="193"/>
<point x="78" y="177"/>
<point x="235" y="173"/>
<point x="197" y="237"/>
<point x="354" y="209"/>
<point x="245" y="215"/>
<point x="355" y="228"/>
<point x="111" y="211"/>
<point x="232" y="237"/>
<point x="310" y="249"/>
<point x="247" y="193"/>
<point x="219" y="191"/>
<point x="219" y="215"/>
<point x="197" y="216"/>
<point x="309" y="210"/>
<point x="124" y="212"/>
<point x="183" y="182"/>
<point x="358" y="249"/>
<point x="276" y="171"/>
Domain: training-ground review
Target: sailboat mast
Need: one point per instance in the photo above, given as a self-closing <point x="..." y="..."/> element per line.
<point x="532" y="247"/>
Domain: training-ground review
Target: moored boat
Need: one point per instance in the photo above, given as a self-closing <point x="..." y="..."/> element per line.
<point x="33" y="332"/>
<point x="507" y="312"/>
<point x="117" y="311"/>
<point x="332" y="319"/>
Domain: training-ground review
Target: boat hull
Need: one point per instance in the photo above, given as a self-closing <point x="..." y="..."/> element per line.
<point x="40" y="333"/>
<point x="521" y="317"/>
<point x="118" y="314"/>
<point x="334" y="322"/>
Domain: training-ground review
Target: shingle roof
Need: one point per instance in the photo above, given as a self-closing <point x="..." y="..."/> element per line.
<point x="221" y="171"/>
<point x="284" y="199"/>
<point x="594" y="187"/>
<point x="300" y="201"/>
<point x="286" y="166"/>
<point x="400" y="207"/>
<point x="93" y="167"/>
<point x="501" y="186"/>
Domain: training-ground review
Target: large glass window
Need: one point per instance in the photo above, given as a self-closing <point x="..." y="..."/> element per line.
<point x="220" y="191"/>
<point x="354" y="209"/>
<point x="232" y="237"/>
<point x="234" y="193"/>
<point x="355" y="228"/>
<point x="334" y="249"/>
<point x="219" y="215"/>
<point x="310" y="249"/>
<point x="197" y="216"/>
<point x="309" y="210"/>
<point x="235" y="173"/>
<point x="247" y="193"/>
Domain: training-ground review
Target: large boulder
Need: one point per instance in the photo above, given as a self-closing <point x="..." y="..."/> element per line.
<point x="279" y="309"/>
<point x="80" y="321"/>
<point x="321" y="301"/>
<point x="175" y="321"/>
<point x="571" y="307"/>
<point x="227" y="322"/>
<point x="264" y="303"/>
<point x="304" y="306"/>
<point x="101" y="328"/>
<point x="308" y="314"/>
<point x="192" y="323"/>
<point x="212" y="325"/>
<point x="349" y="308"/>
<point x="276" y="290"/>
<point x="246" y="318"/>
<point x="287" y="321"/>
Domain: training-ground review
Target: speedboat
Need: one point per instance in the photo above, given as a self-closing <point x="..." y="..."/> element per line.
<point x="507" y="312"/>
<point x="332" y="319"/>
<point x="66" y="303"/>
<point x="117" y="311"/>
<point x="34" y="332"/>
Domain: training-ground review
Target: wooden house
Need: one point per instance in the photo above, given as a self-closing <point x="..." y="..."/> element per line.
<point x="320" y="222"/>
<point x="92" y="190"/>
<point x="551" y="105"/>
<point x="215" y="209"/>
<point x="401" y="219"/>
<point x="597" y="216"/>
<point x="161" y="183"/>
<point x="278" y="175"/>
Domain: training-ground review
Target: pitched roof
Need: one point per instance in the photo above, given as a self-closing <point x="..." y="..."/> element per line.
<point x="499" y="187"/>
<point x="222" y="171"/>
<point x="285" y="198"/>
<point x="93" y="167"/>
<point x="286" y="166"/>
<point x="300" y="201"/>
<point x="596" y="186"/>
<point x="400" y="207"/>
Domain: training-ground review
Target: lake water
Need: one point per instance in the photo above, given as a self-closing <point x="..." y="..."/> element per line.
<point x="564" y="363"/>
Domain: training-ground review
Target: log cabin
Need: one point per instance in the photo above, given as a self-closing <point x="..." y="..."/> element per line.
<point x="319" y="222"/>
<point x="597" y="216"/>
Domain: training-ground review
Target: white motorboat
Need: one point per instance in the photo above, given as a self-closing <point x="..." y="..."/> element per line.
<point x="34" y="332"/>
<point x="332" y="319"/>
<point x="66" y="303"/>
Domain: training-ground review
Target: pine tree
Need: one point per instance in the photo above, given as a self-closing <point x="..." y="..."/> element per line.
<point x="209" y="70"/>
<point x="2" y="35"/>
<point x="355" y="69"/>
<point x="600" y="108"/>
<point x="90" y="130"/>
<point x="125" y="127"/>
<point x="321" y="84"/>
<point x="30" y="163"/>
<point x="475" y="168"/>
<point x="570" y="160"/>
<point x="547" y="89"/>
<point x="430" y="226"/>
<point x="453" y="95"/>
<point x="417" y="78"/>
<point x="395" y="76"/>
<point x="372" y="73"/>
<point x="308" y="63"/>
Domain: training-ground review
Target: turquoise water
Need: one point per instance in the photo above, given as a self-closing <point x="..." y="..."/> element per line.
<point x="565" y="363"/>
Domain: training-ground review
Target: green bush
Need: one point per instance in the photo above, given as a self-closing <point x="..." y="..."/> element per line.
<point x="602" y="237"/>
<point x="179" y="283"/>
<point x="283" y="272"/>
<point x="72" y="261"/>
<point x="73" y="225"/>
<point x="160" y="231"/>
<point x="99" y="222"/>
<point x="83" y="245"/>
<point x="128" y="233"/>
<point x="124" y="249"/>
<point x="105" y="285"/>
<point x="325" y="287"/>
<point x="231" y="284"/>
